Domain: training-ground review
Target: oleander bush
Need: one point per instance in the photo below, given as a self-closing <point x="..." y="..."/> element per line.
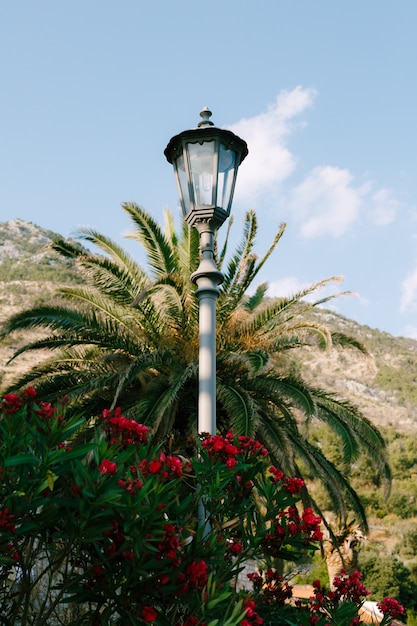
<point x="100" y="527"/>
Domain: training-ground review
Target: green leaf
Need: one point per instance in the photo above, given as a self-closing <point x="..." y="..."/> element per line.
<point x="21" y="459"/>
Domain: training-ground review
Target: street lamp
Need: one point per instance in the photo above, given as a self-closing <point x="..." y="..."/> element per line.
<point x="206" y="160"/>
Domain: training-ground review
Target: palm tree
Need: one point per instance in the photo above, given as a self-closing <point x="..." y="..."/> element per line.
<point x="129" y="337"/>
<point x="342" y="544"/>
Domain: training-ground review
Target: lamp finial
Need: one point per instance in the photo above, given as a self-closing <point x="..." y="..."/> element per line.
<point x="206" y="115"/>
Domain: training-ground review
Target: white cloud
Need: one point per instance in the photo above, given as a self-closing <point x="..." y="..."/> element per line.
<point x="409" y="292"/>
<point x="384" y="207"/>
<point x="325" y="202"/>
<point x="291" y="285"/>
<point x="328" y="203"/>
<point x="286" y="287"/>
<point x="269" y="162"/>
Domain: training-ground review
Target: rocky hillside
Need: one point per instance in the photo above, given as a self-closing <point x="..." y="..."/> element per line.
<point x="382" y="385"/>
<point x="29" y="273"/>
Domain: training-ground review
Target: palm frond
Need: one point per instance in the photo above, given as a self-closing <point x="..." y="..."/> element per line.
<point x="188" y="250"/>
<point x="221" y="257"/>
<point x="342" y="494"/>
<point x="279" y="234"/>
<point x="160" y="412"/>
<point x="160" y="252"/>
<point x="338" y="414"/>
<point x="239" y="259"/>
<point x="239" y="407"/>
<point x="286" y="389"/>
<point x="68" y="248"/>
<point x="255" y="300"/>
<point x="345" y="341"/>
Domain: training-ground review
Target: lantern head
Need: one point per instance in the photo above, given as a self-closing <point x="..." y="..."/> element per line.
<point x="206" y="161"/>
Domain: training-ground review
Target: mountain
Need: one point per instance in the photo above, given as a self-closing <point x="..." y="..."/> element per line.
<point x="383" y="385"/>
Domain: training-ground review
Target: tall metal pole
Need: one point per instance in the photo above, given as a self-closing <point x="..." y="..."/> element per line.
<point x="206" y="160"/>
<point x="207" y="278"/>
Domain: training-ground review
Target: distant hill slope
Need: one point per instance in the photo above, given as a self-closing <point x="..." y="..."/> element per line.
<point x="29" y="272"/>
<point x="24" y="246"/>
<point x="384" y="387"/>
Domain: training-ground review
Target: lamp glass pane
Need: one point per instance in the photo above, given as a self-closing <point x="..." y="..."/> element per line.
<point x="203" y="176"/>
<point x="227" y="163"/>
<point x="182" y="184"/>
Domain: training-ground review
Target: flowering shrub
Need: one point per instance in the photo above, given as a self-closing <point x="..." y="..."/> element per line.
<point x="99" y="527"/>
<point x="339" y="606"/>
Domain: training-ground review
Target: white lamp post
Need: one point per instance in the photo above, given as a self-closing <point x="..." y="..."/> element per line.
<point x="206" y="161"/>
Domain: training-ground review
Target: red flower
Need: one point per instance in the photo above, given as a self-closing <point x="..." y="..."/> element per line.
<point x="6" y="521"/>
<point x="174" y="464"/>
<point x="45" y="410"/>
<point x="234" y="547"/>
<point x="149" y="614"/>
<point x="11" y="403"/>
<point x="98" y="571"/>
<point x="251" y="616"/>
<point x="277" y="474"/>
<point x="107" y="467"/>
<point x="391" y="607"/>
<point x="123" y="430"/>
<point x="198" y="574"/>
<point x="192" y="621"/>
<point x="293" y="485"/>
<point x="154" y="467"/>
<point x="131" y="485"/>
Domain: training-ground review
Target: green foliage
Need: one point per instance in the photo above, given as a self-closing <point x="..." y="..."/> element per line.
<point x="387" y="576"/>
<point x="407" y="539"/>
<point x="44" y="269"/>
<point x="403" y="454"/>
<point x="401" y="379"/>
<point x="314" y="569"/>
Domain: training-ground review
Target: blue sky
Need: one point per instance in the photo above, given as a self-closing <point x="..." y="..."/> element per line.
<point x="324" y="92"/>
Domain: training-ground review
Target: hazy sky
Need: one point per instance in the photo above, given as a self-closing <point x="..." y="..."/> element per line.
<point x="324" y="92"/>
